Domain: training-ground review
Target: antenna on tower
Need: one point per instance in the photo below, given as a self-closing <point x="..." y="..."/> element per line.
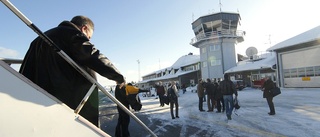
<point x="220" y="4"/>
<point x="270" y="39"/>
<point x="192" y="17"/>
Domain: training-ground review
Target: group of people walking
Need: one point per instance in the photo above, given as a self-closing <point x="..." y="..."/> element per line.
<point x="219" y="95"/>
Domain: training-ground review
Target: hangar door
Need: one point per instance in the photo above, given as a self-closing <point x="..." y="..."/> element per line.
<point x="301" y="68"/>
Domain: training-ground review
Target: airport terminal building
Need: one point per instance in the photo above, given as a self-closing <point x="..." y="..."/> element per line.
<point x="298" y="60"/>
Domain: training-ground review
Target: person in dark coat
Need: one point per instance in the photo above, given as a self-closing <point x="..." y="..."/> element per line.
<point x="160" y="92"/>
<point x="266" y="87"/>
<point x="122" y="128"/>
<point x="43" y="66"/>
<point x="200" y="91"/>
<point x="128" y="96"/>
<point x="133" y="97"/>
<point x="184" y="88"/>
<point x="210" y="89"/>
<point x="173" y="99"/>
<point x="228" y="89"/>
<point x="219" y="98"/>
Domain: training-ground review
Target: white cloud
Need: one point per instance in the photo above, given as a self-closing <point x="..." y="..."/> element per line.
<point x="8" y="53"/>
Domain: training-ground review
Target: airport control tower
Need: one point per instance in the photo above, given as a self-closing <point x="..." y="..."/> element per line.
<point x="216" y="35"/>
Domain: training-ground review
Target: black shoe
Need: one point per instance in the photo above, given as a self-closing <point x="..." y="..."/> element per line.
<point x="173" y="118"/>
<point x="209" y="110"/>
<point x="177" y="117"/>
<point x="271" y="113"/>
<point x="202" y="110"/>
<point x="218" y="111"/>
<point x="229" y="117"/>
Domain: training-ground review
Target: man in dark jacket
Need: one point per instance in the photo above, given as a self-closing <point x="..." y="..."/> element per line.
<point x="133" y="97"/>
<point x="210" y="89"/>
<point x="228" y="89"/>
<point x="219" y="98"/>
<point x="128" y="96"/>
<point x="200" y="91"/>
<point x="160" y="92"/>
<point x="122" y="128"/>
<point x="266" y="87"/>
<point x="43" y="66"/>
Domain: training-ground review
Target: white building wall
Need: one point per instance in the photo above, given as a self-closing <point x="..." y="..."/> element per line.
<point x="299" y="82"/>
<point x="229" y="54"/>
<point x="293" y="63"/>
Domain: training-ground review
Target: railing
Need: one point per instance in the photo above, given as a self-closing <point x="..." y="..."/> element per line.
<point x="217" y="34"/>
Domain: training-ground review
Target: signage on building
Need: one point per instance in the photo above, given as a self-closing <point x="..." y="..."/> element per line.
<point x="306" y="79"/>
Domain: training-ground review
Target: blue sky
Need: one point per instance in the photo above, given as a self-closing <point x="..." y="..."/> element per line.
<point x="155" y="32"/>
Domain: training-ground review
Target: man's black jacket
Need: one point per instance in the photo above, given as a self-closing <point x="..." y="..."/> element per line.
<point x="46" y="68"/>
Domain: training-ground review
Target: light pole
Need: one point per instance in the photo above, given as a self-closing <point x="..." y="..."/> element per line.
<point x="138" y="70"/>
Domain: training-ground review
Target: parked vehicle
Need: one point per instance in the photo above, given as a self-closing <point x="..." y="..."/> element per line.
<point x="257" y="83"/>
<point x="239" y="84"/>
<point x="151" y="93"/>
<point x="192" y="88"/>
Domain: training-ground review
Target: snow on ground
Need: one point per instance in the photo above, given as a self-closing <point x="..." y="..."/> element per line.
<point x="297" y="115"/>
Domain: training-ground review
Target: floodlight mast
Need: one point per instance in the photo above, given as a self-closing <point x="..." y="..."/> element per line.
<point x="55" y="47"/>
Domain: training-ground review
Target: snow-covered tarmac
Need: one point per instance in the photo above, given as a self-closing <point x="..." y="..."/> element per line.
<point x="297" y="115"/>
